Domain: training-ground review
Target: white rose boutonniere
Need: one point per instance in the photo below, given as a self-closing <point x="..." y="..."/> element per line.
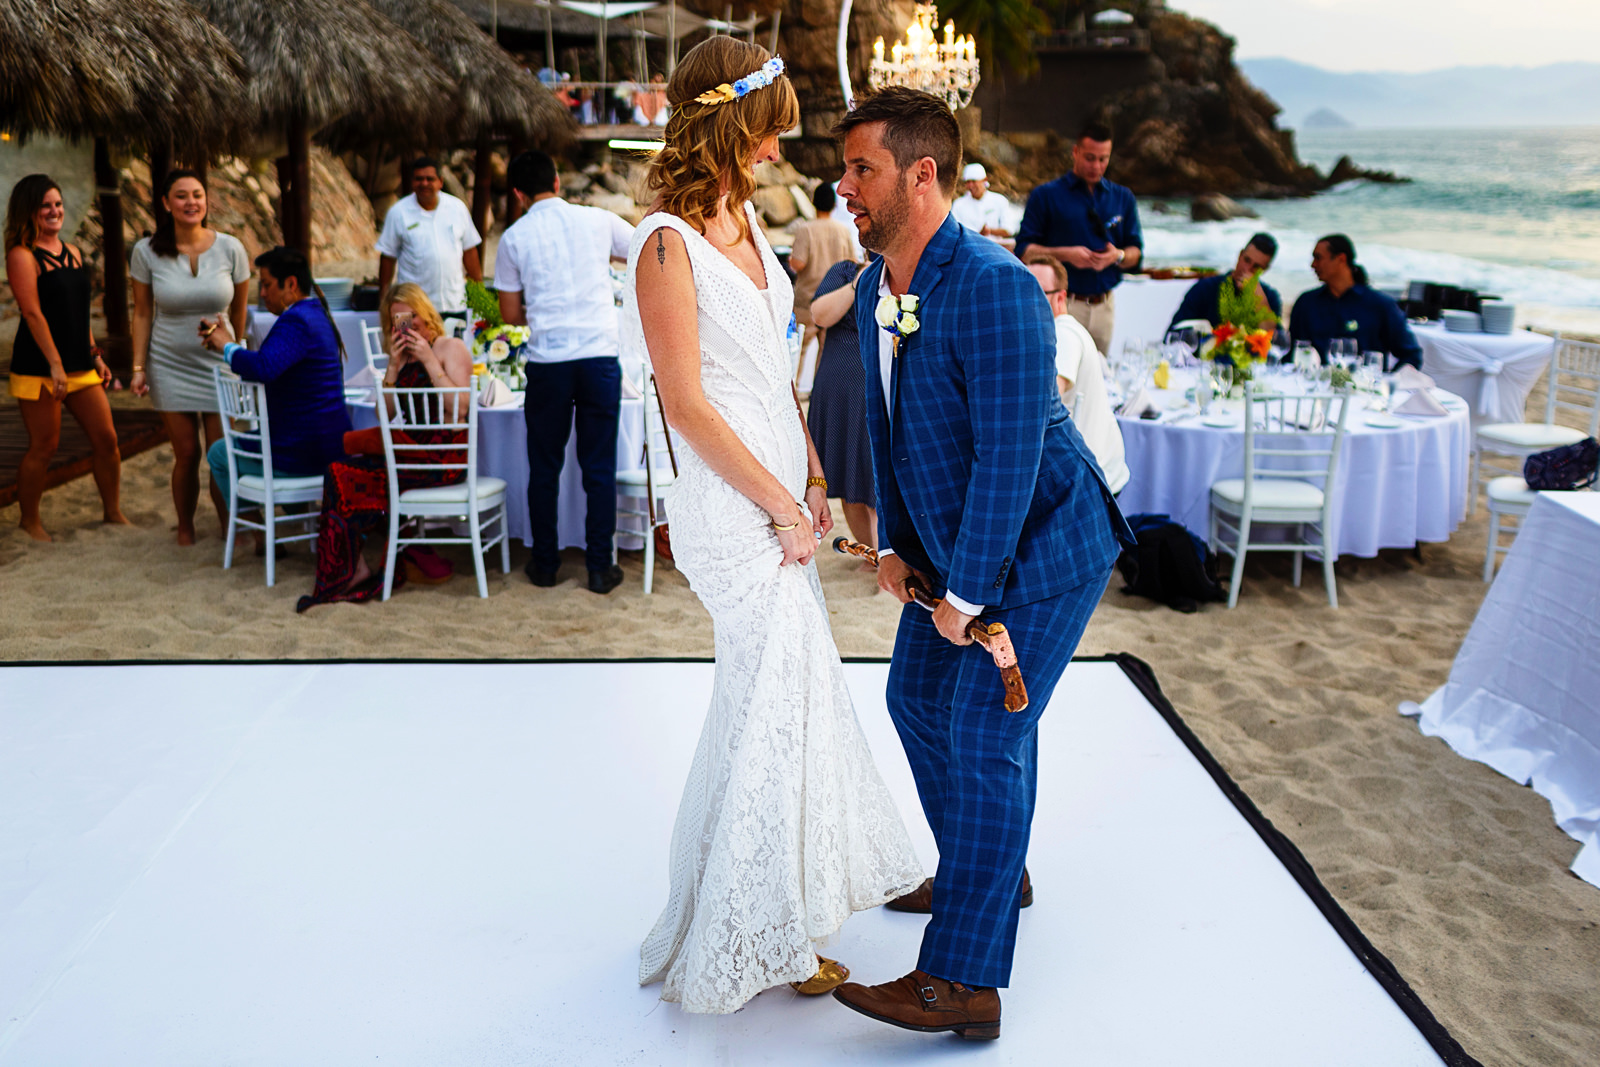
<point x="1352" y="326"/>
<point x="897" y="316"/>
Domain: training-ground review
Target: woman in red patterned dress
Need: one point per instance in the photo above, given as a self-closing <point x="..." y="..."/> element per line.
<point x="355" y="493"/>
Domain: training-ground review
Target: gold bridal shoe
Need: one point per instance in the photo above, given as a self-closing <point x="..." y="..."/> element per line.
<point x="831" y="974"/>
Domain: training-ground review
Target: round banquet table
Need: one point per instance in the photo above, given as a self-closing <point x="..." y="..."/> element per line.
<point x="503" y="453"/>
<point x="1394" y="487"/>
<point x="1494" y="372"/>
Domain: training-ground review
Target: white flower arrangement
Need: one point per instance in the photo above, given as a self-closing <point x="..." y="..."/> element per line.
<point x="897" y="315"/>
<point x="503" y="348"/>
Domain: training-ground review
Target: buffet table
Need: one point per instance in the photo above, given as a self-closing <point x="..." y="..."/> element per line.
<point x="1494" y="372"/>
<point x="349" y="324"/>
<point x="1395" y="487"/>
<point x="1522" y="691"/>
<point x="1145" y="308"/>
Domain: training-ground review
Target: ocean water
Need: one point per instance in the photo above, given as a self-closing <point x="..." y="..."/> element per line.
<point x="1510" y="212"/>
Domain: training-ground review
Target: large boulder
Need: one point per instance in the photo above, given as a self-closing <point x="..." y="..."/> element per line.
<point x="1214" y="207"/>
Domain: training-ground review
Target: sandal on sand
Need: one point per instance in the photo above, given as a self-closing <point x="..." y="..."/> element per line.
<point x="425" y="566"/>
<point x="831" y="974"/>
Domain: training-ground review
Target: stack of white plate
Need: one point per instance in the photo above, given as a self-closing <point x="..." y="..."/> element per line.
<point x="1498" y="316"/>
<point x="1462" y="321"/>
<point x="338" y="291"/>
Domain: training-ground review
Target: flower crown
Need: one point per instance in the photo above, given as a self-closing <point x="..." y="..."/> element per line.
<point x="759" y="79"/>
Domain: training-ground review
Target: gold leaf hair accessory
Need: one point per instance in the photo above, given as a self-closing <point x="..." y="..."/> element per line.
<point x="759" y="79"/>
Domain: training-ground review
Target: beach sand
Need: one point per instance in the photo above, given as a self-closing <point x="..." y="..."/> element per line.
<point x="1456" y="873"/>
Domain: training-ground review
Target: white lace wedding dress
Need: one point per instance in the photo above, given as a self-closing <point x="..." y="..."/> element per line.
<point x="785" y="826"/>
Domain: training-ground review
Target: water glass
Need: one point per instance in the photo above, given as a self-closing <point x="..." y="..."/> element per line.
<point x="1279" y="349"/>
<point x="1306" y="360"/>
<point x="1224" y="375"/>
<point x="1342" y="352"/>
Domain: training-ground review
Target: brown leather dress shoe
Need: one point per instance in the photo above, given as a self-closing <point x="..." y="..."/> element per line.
<point x="919" y="1001"/>
<point x="920" y="900"/>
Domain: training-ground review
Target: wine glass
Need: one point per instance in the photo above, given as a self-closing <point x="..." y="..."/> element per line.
<point x="1224" y="376"/>
<point x="1342" y="352"/>
<point x="1306" y="360"/>
<point x="1279" y="350"/>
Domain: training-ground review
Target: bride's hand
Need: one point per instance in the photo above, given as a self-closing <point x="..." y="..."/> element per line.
<point x="798" y="544"/>
<point x="817" y="501"/>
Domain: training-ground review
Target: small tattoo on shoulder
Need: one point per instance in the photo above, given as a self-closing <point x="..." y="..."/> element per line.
<point x="661" y="250"/>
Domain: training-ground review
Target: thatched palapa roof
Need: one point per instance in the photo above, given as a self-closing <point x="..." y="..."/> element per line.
<point x="127" y="70"/>
<point x="320" y="60"/>
<point x="493" y="93"/>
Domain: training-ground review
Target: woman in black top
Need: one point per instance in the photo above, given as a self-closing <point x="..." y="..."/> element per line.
<point x="54" y="360"/>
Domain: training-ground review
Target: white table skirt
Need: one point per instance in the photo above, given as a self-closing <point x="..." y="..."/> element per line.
<point x="1395" y="488"/>
<point x="1144" y="310"/>
<point x="1494" y="372"/>
<point x="1522" y="695"/>
<point x="349" y="324"/>
<point x="503" y="453"/>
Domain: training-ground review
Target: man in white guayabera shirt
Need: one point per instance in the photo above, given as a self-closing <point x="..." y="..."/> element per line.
<point x="428" y="238"/>
<point x="553" y="273"/>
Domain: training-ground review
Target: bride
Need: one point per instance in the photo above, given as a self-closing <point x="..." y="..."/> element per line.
<point x="785" y="827"/>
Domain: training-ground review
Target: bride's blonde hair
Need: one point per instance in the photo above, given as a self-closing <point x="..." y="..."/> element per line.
<point x="709" y="146"/>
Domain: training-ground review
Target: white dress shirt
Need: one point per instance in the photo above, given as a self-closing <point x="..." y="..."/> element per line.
<point x="975" y="214"/>
<point x="427" y="247"/>
<point x="558" y="255"/>
<point x="886" y="359"/>
<point x="1080" y="362"/>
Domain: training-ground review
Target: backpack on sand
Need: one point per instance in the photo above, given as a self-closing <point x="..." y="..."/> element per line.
<point x="1169" y="564"/>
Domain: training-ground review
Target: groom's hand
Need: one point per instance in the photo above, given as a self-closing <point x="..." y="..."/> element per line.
<point x="892" y="575"/>
<point x="952" y="623"/>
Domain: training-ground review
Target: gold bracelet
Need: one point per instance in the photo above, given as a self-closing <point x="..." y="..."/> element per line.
<point x="795" y="523"/>
<point x="818" y="481"/>
<point x="138" y="370"/>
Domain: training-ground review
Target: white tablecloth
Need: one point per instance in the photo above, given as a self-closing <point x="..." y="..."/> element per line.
<point x="349" y="324"/>
<point x="1524" y="691"/>
<point x="1394" y="488"/>
<point x="503" y="453"/>
<point x="1493" y="371"/>
<point x="1145" y="309"/>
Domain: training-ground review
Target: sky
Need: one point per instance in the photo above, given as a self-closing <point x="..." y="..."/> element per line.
<point x="1407" y="35"/>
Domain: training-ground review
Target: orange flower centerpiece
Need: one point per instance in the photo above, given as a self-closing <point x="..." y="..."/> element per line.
<point x="1244" y="334"/>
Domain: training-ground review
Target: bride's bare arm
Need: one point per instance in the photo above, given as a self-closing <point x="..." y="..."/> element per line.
<point x="665" y="290"/>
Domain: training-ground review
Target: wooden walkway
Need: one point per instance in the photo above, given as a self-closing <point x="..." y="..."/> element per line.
<point x="136" y="432"/>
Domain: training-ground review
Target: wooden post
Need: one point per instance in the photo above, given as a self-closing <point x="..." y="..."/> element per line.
<point x="482" y="178"/>
<point x="117" y="343"/>
<point x="777" y="20"/>
<point x="672" y="38"/>
<point x="600" y="38"/>
<point x="514" y="148"/>
<point x="549" y="42"/>
<point x="285" y="200"/>
<point x="160" y="166"/>
<point x="300" y="171"/>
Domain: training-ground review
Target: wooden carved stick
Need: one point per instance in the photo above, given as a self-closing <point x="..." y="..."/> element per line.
<point x="992" y="636"/>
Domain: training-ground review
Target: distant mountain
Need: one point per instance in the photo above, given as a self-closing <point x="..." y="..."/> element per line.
<point x="1326" y="119"/>
<point x="1562" y="94"/>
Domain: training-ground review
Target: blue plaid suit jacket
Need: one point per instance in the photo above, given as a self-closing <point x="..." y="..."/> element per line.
<point x="983" y="481"/>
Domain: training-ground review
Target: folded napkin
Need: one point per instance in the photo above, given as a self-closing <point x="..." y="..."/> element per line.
<point x="1409" y="377"/>
<point x="496" y="394"/>
<point x="629" y="390"/>
<point x="1138" y="404"/>
<point x="1421" y="402"/>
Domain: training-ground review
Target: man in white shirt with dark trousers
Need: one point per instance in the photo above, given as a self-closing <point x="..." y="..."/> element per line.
<point x="553" y="274"/>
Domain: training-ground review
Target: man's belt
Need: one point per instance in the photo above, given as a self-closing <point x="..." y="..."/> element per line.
<point x="1091" y="298"/>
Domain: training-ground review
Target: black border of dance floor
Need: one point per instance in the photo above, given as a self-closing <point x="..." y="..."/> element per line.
<point x="1143" y="678"/>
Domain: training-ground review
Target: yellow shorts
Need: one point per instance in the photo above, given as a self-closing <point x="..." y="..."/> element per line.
<point x="32" y="387"/>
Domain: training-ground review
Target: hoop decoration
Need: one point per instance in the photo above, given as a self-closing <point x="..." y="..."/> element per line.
<point x="759" y="79"/>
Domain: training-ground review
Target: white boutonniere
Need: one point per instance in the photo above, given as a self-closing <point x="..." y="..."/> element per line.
<point x="898" y="317"/>
<point x="1352" y="326"/>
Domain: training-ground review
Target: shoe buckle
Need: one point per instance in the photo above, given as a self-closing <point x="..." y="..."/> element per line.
<point x="928" y="995"/>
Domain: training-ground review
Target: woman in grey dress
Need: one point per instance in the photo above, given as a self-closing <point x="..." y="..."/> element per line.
<point x="185" y="272"/>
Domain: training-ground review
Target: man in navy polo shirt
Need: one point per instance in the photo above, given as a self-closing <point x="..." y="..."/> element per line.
<point x="1092" y="226"/>
<point x="1345" y="306"/>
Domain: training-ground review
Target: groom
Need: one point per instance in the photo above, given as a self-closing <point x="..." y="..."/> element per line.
<point x="986" y="490"/>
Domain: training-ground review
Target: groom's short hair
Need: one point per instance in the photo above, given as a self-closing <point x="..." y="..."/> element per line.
<point x="915" y="124"/>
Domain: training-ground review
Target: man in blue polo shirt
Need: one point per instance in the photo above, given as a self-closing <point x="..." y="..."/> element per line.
<point x="1092" y="226"/>
<point x="1203" y="300"/>
<point x="1345" y="306"/>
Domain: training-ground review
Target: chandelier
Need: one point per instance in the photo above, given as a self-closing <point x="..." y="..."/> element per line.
<point x="947" y="69"/>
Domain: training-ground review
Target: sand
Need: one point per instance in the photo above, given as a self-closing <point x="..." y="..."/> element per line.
<point x="1456" y="873"/>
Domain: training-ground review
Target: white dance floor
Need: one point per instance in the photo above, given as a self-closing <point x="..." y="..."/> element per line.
<point x="438" y="865"/>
